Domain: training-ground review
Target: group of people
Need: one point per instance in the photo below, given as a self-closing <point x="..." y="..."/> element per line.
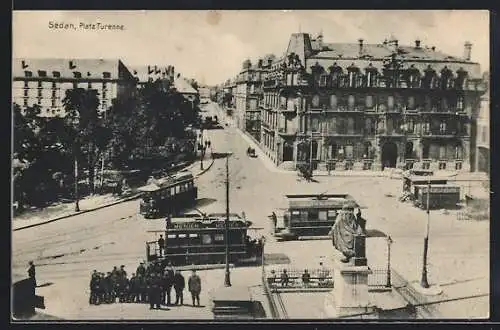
<point x="151" y="283"/>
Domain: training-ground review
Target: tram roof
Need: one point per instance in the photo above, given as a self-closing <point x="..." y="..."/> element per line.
<point x="158" y="184"/>
<point x="323" y="196"/>
<point x="426" y="178"/>
<point x="210" y="217"/>
<point x="303" y="201"/>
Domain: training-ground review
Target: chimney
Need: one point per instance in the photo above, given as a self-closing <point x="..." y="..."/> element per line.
<point x="467" y="50"/>
<point x="23" y="63"/>
<point x="360" y="41"/>
<point x="71" y="65"/>
<point x="433" y="48"/>
<point x="417" y="44"/>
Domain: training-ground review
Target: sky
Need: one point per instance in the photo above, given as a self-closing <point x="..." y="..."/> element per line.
<point x="210" y="46"/>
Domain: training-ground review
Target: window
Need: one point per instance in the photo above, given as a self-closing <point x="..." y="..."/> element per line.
<point x="351" y="101"/>
<point x="42" y="73"/>
<point x="25" y="92"/>
<point x="106" y="75"/>
<point x="77" y="74"/>
<point x="323" y="216"/>
<point x="25" y="101"/>
<point x="460" y="103"/>
<point x="411" y="103"/>
<point x="56" y="74"/>
<point x="315" y="124"/>
<point x="39" y="92"/>
<point x="333" y="101"/>
<point x="171" y="236"/>
<point x="442" y="127"/>
<point x="352" y="79"/>
<point x="315" y="101"/>
<point x="369" y="101"/>
<point x="390" y="102"/>
<point x="28" y="74"/>
<point x="206" y="239"/>
<point x="26" y="84"/>
<point x="322" y="80"/>
<point x="219" y="237"/>
<point x="90" y="85"/>
<point x="39" y="84"/>
<point x="411" y="126"/>
<point x="332" y="214"/>
<point x="53" y="102"/>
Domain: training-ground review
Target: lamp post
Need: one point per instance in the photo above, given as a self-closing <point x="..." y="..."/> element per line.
<point x="227" y="277"/>
<point x="75" y="154"/>
<point x="202" y="151"/>
<point x="263" y="240"/>
<point x="424" y="283"/>
<point x="388" y="283"/>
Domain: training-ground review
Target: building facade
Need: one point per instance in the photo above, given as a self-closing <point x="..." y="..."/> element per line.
<point x="44" y="82"/>
<point x="370" y="106"/>
<point x="249" y="97"/>
<point x="144" y="74"/>
<point x="483" y="131"/>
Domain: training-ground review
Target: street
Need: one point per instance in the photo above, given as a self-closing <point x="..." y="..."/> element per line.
<point x="67" y="251"/>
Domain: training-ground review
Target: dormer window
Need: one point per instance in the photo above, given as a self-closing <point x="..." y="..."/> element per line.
<point x="28" y="74"/>
<point x="77" y="74"/>
<point x="352" y="75"/>
<point x="56" y="74"/>
<point x="42" y="73"/>
<point x="106" y="75"/>
<point x="446" y="76"/>
<point x="371" y="75"/>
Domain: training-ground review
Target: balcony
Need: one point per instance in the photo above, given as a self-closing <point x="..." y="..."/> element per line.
<point x="443" y="111"/>
<point x="391" y="133"/>
<point x="338" y="109"/>
<point x="444" y="134"/>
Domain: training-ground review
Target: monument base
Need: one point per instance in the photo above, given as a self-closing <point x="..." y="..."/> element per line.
<point x="350" y="297"/>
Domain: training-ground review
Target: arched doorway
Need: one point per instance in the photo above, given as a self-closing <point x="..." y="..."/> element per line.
<point x="409" y="150"/>
<point x="389" y="154"/>
<point x="287" y="151"/>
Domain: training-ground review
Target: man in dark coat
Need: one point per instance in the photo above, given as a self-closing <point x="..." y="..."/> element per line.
<point x="141" y="270"/>
<point x="154" y="292"/>
<point x="179" y="285"/>
<point x="132" y="293"/>
<point x="141" y="288"/>
<point x="169" y="274"/>
<point x="161" y="245"/>
<point x="93" y="288"/>
<point x="32" y="272"/>
<point x="194" y="286"/>
<point x="108" y="288"/>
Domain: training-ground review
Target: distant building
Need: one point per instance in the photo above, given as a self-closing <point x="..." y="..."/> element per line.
<point x="204" y="92"/>
<point x="249" y="95"/>
<point x="44" y="82"/>
<point x="483" y="131"/>
<point x="149" y="73"/>
<point x="371" y="106"/>
<point x="184" y="87"/>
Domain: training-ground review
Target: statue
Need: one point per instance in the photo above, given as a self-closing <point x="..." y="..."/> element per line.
<point x="344" y="231"/>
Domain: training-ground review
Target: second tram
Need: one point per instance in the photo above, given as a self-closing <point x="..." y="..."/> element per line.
<point x="168" y="196"/>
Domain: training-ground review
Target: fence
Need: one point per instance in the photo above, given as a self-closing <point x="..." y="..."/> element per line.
<point x="317" y="279"/>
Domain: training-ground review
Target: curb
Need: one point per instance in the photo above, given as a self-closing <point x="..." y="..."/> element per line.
<point x="212" y="161"/>
<point x="127" y="199"/>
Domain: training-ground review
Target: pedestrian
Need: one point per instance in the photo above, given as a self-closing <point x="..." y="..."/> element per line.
<point x="154" y="292"/>
<point x="306" y="278"/>
<point x="133" y="294"/>
<point x="169" y="282"/>
<point x="179" y="285"/>
<point x="141" y="270"/>
<point x="93" y="286"/>
<point x="194" y="286"/>
<point x="141" y="289"/>
<point x="121" y="272"/>
<point x="284" y="278"/>
<point x="32" y="272"/>
<point x="161" y="245"/>
<point x="108" y="288"/>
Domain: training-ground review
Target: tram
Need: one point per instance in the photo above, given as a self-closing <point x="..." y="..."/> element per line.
<point x="308" y="215"/>
<point x="168" y="196"/>
<point x="442" y="194"/>
<point x="200" y="239"/>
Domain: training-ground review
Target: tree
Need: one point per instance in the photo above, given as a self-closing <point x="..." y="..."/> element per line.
<point x="90" y="136"/>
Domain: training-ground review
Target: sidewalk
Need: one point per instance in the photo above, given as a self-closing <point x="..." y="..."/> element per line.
<point x="61" y="211"/>
<point x="390" y="173"/>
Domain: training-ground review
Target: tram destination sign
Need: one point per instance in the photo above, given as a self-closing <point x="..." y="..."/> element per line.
<point x="186" y="225"/>
<point x="200" y="225"/>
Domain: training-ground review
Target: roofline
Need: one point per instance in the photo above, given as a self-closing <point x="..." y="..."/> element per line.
<point x="383" y="58"/>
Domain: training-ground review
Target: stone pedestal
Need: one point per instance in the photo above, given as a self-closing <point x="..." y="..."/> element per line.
<point x="350" y="297"/>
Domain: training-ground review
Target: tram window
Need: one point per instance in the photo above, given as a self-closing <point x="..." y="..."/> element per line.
<point x="171" y="236"/>
<point x="172" y="191"/>
<point x="206" y="239"/>
<point x="332" y="214"/>
<point x="313" y="215"/>
<point x="177" y="189"/>
<point x="219" y="237"/>
<point x="322" y="216"/>
<point x="182" y="235"/>
<point x="295" y="214"/>
<point x="193" y="235"/>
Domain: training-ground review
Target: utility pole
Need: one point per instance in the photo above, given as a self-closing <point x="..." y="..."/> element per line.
<point x="103" y="156"/>
<point x="424" y="283"/>
<point x="77" y="206"/>
<point x="227" y="278"/>
<point x="202" y="150"/>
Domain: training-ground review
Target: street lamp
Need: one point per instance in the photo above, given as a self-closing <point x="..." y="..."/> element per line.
<point x="227" y="277"/>
<point x="75" y="154"/>
<point x="389" y="242"/>
<point x="424" y="283"/>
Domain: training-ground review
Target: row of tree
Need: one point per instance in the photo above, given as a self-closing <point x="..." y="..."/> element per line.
<point x="49" y="151"/>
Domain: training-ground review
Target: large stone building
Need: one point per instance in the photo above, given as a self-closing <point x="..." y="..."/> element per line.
<point x="44" y="82"/>
<point x="249" y="95"/>
<point x="370" y="106"/>
<point x="144" y="74"/>
<point x="483" y="131"/>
